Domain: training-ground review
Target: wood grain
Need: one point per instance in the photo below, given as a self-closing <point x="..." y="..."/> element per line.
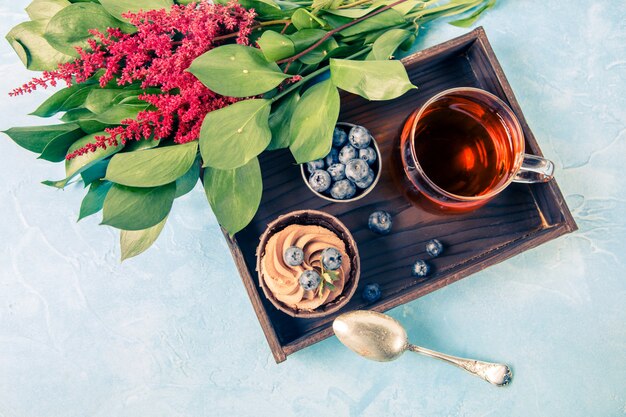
<point x="520" y="218"/>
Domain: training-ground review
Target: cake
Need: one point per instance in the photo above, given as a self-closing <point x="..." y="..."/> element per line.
<point x="311" y="232"/>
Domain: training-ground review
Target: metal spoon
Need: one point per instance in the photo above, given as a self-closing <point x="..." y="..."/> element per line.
<point x="381" y="338"/>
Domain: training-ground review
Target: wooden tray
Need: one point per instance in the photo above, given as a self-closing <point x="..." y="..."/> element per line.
<point x="520" y="218"/>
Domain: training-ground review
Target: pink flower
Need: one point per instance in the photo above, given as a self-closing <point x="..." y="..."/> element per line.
<point x="156" y="56"/>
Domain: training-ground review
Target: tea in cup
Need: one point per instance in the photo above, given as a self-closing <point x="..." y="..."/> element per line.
<point x="463" y="147"/>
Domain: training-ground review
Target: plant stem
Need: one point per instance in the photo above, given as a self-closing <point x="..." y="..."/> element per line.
<point x="316" y="73"/>
<point x="339" y="29"/>
<point x="275" y="22"/>
<point x="282" y="32"/>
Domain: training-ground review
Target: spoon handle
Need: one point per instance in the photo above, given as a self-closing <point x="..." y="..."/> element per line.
<point x="494" y="373"/>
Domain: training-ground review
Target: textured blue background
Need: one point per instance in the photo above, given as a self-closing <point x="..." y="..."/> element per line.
<point x="172" y="333"/>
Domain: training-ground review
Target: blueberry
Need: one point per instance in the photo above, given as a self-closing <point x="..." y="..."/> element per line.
<point x="315" y="165"/>
<point x="340" y="137"/>
<point x="371" y="293"/>
<point x="434" y="248"/>
<point x="331" y="259"/>
<point x="320" y="180"/>
<point x="293" y="256"/>
<point x="337" y="171"/>
<point x="332" y="157"/>
<point x="368" y="155"/>
<point x="343" y="190"/>
<point x="359" y="137"/>
<point x="420" y="269"/>
<point x="347" y="153"/>
<point x="380" y="222"/>
<point x="357" y="170"/>
<point x="367" y="181"/>
<point x="309" y="280"/>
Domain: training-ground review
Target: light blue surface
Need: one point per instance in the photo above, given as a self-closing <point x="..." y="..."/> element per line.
<point x="172" y="333"/>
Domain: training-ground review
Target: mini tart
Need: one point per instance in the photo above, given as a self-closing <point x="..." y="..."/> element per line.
<point x="282" y="279"/>
<point x="312" y="231"/>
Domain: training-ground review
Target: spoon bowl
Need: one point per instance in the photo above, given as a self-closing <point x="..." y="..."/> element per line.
<point x="381" y="338"/>
<point x="372" y="335"/>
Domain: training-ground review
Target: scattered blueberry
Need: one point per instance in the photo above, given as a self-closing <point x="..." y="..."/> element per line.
<point x="343" y="190"/>
<point x="315" y="165"/>
<point x="337" y="171"/>
<point x="368" y="155"/>
<point x="332" y="157"/>
<point x="420" y="269"/>
<point x="309" y="280"/>
<point x="347" y="153"/>
<point x="293" y="256"/>
<point x="357" y="170"/>
<point x="320" y="180"/>
<point x="371" y="293"/>
<point x="331" y="258"/>
<point x="340" y="137"/>
<point x="367" y="181"/>
<point x="434" y="248"/>
<point x="359" y="137"/>
<point x="380" y="222"/>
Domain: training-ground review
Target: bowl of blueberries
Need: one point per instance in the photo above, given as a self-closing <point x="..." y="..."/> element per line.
<point x="351" y="169"/>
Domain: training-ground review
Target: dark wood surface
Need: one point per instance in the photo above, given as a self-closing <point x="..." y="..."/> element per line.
<point x="520" y="218"/>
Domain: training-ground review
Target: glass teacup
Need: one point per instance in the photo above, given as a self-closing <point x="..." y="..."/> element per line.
<point x="461" y="149"/>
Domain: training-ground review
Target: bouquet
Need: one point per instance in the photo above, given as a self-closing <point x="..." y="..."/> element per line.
<point x="158" y="93"/>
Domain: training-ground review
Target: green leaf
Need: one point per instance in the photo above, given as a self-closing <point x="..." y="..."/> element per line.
<point x="135" y="242"/>
<point x="36" y="138"/>
<point x="188" y="181"/>
<point x="131" y="208"/>
<point x="94" y="199"/>
<point x="303" y="19"/>
<point x="69" y="28"/>
<point x="237" y="71"/>
<point x="116" y="114"/>
<point x="373" y="80"/>
<point x="96" y="172"/>
<point x="56" y="149"/>
<point x="140" y="145"/>
<point x="91" y="122"/>
<point x="85" y="119"/>
<point x="265" y="9"/>
<point x="304" y="38"/>
<point x="471" y="19"/>
<point x="100" y="100"/>
<point x="63" y="100"/>
<point x="276" y="46"/>
<point x="352" y="12"/>
<point x="385" y="46"/>
<point x="404" y="8"/>
<point x="118" y="7"/>
<point x="152" y="167"/>
<point x="279" y="121"/>
<point x="233" y="135"/>
<point x="325" y="4"/>
<point x="27" y="39"/>
<point x="313" y="122"/>
<point x="85" y="161"/>
<point x="320" y="53"/>
<point x="335" y="21"/>
<point x="234" y="194"/>
<point x="388" y="18"/>
<point x="45" y="9"/>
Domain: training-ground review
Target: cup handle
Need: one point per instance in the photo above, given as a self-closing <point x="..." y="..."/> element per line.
<point x="535" y="169"/>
